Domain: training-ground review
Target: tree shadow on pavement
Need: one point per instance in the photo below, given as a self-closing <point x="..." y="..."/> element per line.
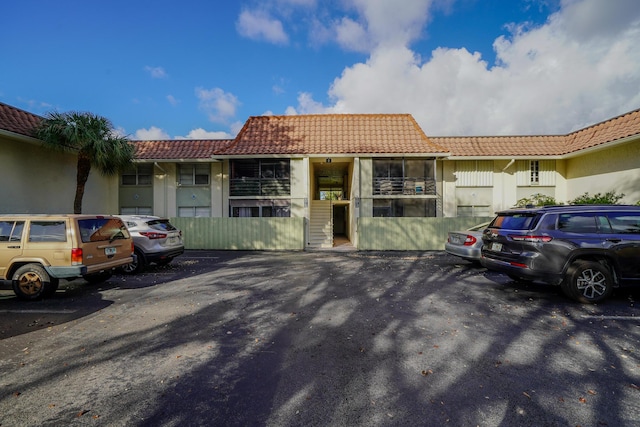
<point x="358" y="339"/>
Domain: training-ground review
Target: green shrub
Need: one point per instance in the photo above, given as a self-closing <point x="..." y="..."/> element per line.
<point x="536" y="199"/>
<point x="609" y="198"/>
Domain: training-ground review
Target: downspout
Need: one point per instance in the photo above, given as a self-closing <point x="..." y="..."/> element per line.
<point x="509" y="165"/>
<point x="166" y="189"/>
<point x="502" y="204"/>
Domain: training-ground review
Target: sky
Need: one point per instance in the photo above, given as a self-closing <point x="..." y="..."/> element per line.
<point x="198" y="69"/>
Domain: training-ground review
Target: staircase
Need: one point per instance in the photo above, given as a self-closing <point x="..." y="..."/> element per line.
<point x="320" y="225"/>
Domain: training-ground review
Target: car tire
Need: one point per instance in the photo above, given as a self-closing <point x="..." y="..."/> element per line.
<point x="96" y="278"/>
<point x="31" y="282"/>
<point x="588" y="282"/>
<point x="135" y="267"/>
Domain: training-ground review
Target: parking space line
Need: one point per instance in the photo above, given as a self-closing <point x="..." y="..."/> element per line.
<point x="595" y="316"/>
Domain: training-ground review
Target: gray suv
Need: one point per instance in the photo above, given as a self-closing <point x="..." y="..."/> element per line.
<point x="155" y="240"/>
<point x="586" y="250"/>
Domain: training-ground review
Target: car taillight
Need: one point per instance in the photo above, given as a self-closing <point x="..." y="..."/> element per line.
<point x="153" y="235"/>
<point x="530" y="238"/>
<point x="132" y="247"/>
<point x="519" y="264"/>
<point x="76" y="256"/>
<point x="470" y="240"/>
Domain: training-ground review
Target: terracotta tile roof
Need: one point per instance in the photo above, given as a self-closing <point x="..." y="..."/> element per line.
<point x="332" y="134"/>
<point x="608" y="131"/>
<point x="611" y="130"/>
<point x="179" y="149"/>
<point x="492" y="146"/>
<point x="18" y="121"/>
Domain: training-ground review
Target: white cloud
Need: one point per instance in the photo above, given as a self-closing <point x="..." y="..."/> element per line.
<point x="554" y="78"/>
<point x="156" y="72"/>
<point x="306" y="105"/>
<point x="258" y="25"/>
<point x="203" y="134"/>
<point x="219" y="105"/>
<point x="151" y="134"/>
<point x="172" y="100"/>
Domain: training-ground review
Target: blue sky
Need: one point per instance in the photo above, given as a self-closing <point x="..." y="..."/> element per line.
<point x="165" y="69"/>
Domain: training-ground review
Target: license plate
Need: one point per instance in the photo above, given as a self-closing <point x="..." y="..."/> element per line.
<point x="172" y="240"/>
<point x="109" y="251"/>
<point x="497" y="247"/>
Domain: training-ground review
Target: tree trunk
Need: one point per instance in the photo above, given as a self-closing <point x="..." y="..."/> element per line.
<point x="84" y="167"/>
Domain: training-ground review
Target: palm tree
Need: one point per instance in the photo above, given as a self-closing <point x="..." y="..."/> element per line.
<point x="94" y="141"/>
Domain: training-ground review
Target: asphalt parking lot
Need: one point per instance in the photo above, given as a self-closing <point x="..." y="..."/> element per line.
<point x="316" y="339"/>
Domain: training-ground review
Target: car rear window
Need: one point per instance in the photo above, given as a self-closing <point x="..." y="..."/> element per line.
<point x="161" y="224"/>
<point x="514" y="221"/>
<point x="102" y="229"/>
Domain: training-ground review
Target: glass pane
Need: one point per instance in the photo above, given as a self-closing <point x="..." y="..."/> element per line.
<point x="186" y="212"/>
<point x="5" y="230"/>
<point x="380" y="168"/>
<point x="244" y="169"/>
<point x="48" y="231"/>
<point x="202" y="212"/>
<point x="625" y="223"/>
<point x="513" y="222"/>
<point x="185" y="174"/>
<point x="101" y="229"/>
<point x="144" y="180"/>
<point x="465" y="210"/>
<point x="128" y="180"/>
<point x="395" y="168"/>
<point x="16" y="235"/>
<point x="577" y="223"/>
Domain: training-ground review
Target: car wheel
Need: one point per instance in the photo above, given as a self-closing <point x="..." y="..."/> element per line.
<point x="588" y="282"/>
<point x="31" y="282"/>
<point x="96" y="278"/>
<point x="135" y="267"/>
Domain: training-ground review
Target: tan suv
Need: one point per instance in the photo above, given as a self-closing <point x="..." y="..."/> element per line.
<point x="36" y="251"/>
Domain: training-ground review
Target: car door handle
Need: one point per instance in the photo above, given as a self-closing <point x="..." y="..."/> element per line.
<point x="13" y="247"/>
<point x="614" y="240"/>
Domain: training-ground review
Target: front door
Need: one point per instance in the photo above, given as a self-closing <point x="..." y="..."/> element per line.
<point x="10" y="243"/>
<point x="340" y="220"/>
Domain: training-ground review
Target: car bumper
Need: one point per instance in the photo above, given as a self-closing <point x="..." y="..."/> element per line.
<point x="74" y="271"/>
<point x="466" y="252"/>
<point x="164" y="255"/>
<point x="520" y="270"/>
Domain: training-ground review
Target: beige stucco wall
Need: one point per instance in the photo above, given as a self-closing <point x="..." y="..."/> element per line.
<point x="616" y="169"/>
<point x="38" y="180"/>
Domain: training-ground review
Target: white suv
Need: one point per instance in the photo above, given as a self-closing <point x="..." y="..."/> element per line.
<point x="155" y="240"/>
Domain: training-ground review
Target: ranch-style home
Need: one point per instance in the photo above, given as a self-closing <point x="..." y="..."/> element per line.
<point x="376" y="181"/>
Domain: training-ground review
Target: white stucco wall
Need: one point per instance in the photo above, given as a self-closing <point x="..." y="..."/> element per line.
<point x="614" y="169"/>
